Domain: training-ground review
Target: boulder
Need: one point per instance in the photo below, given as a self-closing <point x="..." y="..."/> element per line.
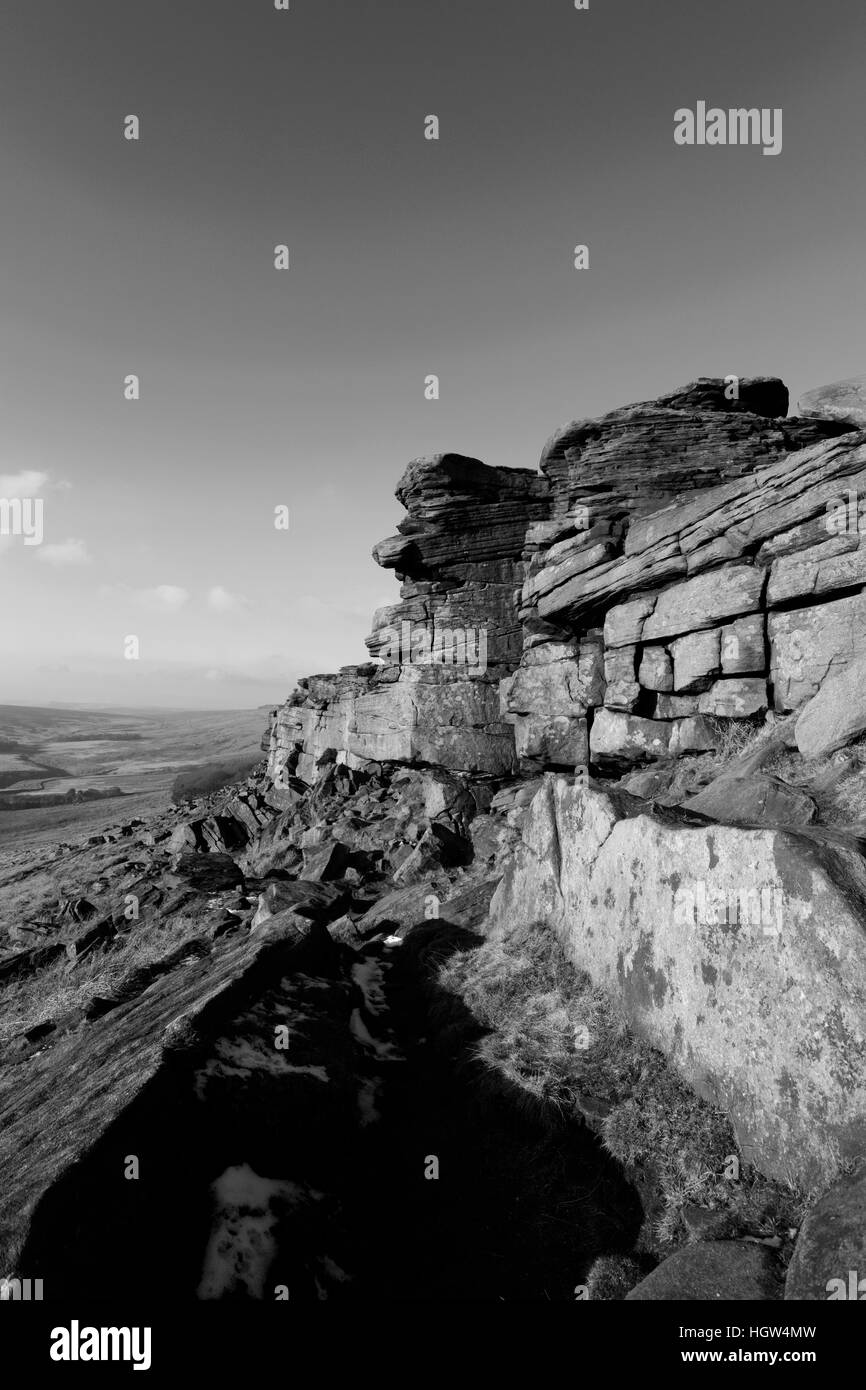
<point x="619" y="737"/>
<point x="712" y="1271"/>
<point x="755" y="800"/>
<point x="404" y="907"/>
<point x="730" y="950"/>
<point x="844" y="401"/>
<point x="836" y="715"/>
<point x="831" y="1245"/>
<point x="324" y="861"/>
<point x="318" y="902"/>
<point x="206" y="873"/>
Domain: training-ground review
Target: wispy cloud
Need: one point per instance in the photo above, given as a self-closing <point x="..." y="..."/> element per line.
<point x="164" y="597"/>
<point x="221" y="601"/>
<point x="64" y="554"/>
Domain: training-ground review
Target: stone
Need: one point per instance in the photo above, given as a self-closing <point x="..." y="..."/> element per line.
<point x="755" y="800"/>
<point x="206" y="873"/>
<point x="701" y="602"/>
<point x="836" y="715"/>
<point x="697" y="660"/>
<point x="808" y="644"/>
<point x="404" y="907"/>
<point x="437" y="847"/>
<point x="713" y="1271"/>
<point x="622" y="737"/>
<point x="836" y="563"/>
<point x="844" y="401"/>
<point x="459" y="506"/>
<point x="325" y="861"/>
<point x="831" y="1244"/>
<point x="415" y="714"/>
<point x="621" y="687"/>
<point x="734" y="697"/>
<point x="732" y="951"/>
<point x="694" y="734"/>
<point x="319" y="902"/>
<point x="655" y="671"/>
<point x="623" y="625"/>
<point x="676" y="706"/>
<point x="547" y="699"/>
<point x="743" y="646"/>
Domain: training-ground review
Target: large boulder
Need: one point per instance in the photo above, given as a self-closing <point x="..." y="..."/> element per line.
<point x="836" y="715"/>
<point x="730" y="950"/>
<point x="711" y="1272"/>
<point x="831" y="1245"/>
<point x="844" y="401"/>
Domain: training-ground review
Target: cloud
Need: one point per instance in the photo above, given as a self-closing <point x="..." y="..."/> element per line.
<point x="221" y="601"/>
<point x="165" y="597"/>
<point x="28" y="483"/>
<point x="69" y="552"/>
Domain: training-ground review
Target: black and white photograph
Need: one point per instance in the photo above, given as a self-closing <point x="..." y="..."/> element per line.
<point x="432" y="672"/>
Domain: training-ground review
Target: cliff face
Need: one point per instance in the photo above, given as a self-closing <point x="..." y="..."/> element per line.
<point x="674" y="560"/>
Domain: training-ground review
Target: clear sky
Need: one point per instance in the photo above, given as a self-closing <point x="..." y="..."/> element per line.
<point x="408" y="257"/>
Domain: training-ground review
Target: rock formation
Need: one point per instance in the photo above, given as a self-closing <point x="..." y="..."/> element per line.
<point x="542" y="744"/>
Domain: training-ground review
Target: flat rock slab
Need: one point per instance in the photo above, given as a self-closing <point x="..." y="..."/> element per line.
<point x="712" y="1271"/>
<point x="832" y="1244"/>
<point x="754" y="801"/>
<point x="840" y="400"/>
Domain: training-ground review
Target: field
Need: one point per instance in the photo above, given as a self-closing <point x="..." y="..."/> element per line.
<point x="115" y="763"/>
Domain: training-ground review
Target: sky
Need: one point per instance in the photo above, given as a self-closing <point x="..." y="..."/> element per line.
<point x="304" y="388"/>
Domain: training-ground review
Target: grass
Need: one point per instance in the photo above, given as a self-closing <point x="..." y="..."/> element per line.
<point x="556" y="1038"/>
<point x="66" y="986"/>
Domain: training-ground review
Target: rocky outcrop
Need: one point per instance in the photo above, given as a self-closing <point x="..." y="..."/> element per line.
<point x="844" y="401"/>
<point x="444" y="647"/>
<point x="684" y="529"/>
<point x="732" y="951"/>
<point x="677" y="566"/>
<point x="689" y="556"/>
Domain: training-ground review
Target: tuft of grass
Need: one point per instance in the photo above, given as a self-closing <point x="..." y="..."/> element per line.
<point x="66" y="985"/>
<point x="611" y="1277"/>
<point x="557" y="1038"/>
